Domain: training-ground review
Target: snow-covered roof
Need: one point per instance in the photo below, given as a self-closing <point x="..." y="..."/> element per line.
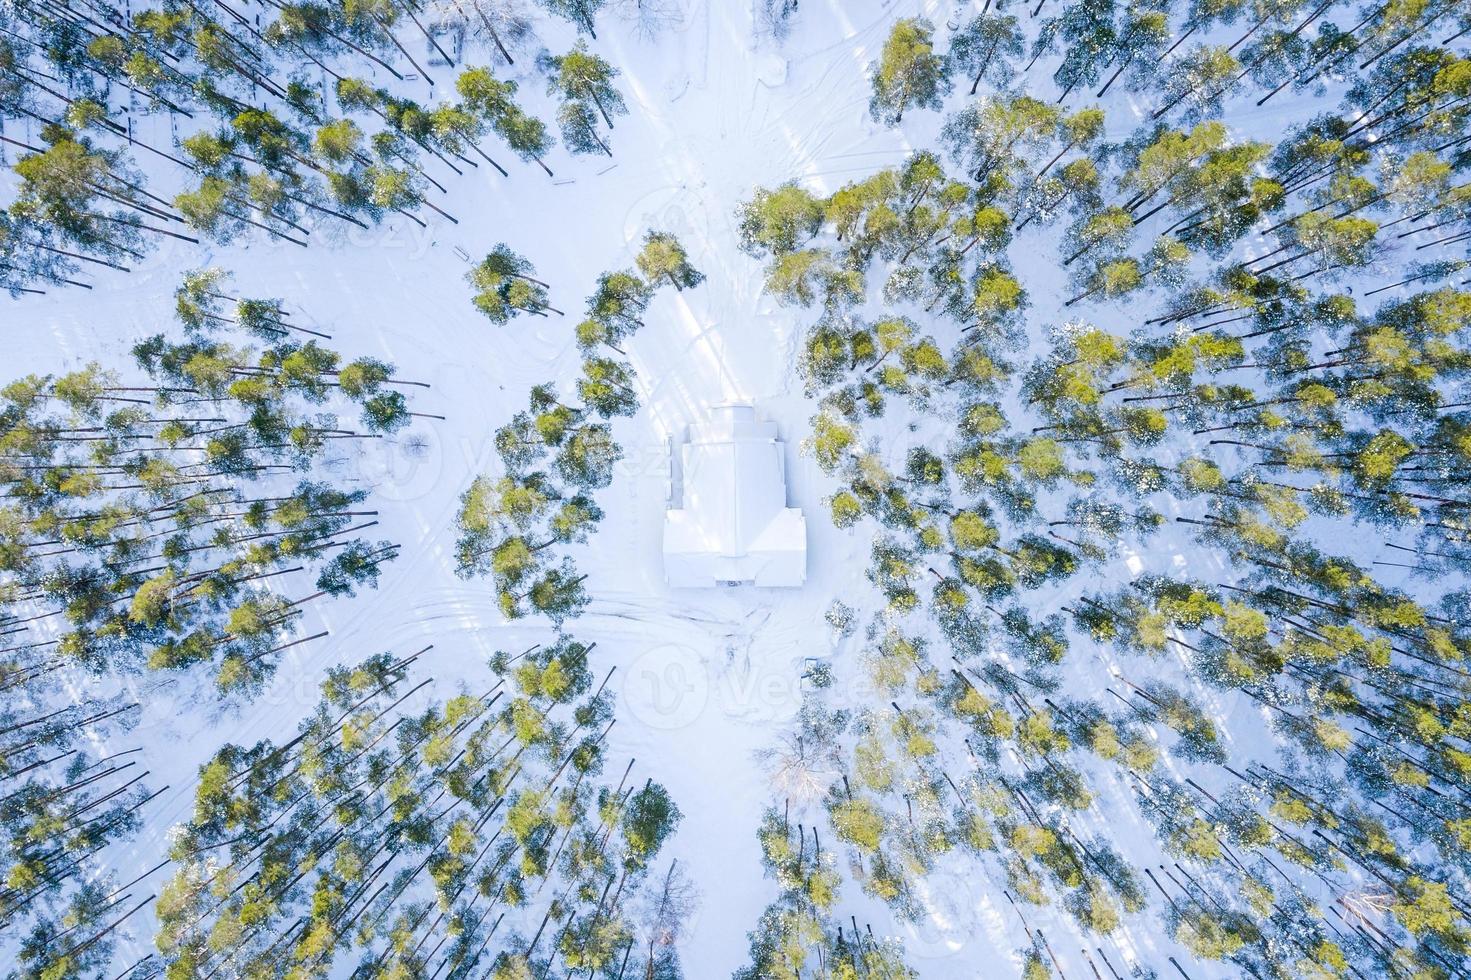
<point x="733" y="523"/>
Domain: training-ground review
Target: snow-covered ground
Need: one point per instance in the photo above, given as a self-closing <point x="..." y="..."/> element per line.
<point x="705" y="678"/>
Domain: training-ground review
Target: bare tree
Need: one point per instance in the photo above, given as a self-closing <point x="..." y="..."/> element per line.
<point x="650" y="18"/>
<point x="774" y="17"/>
<point x="804" y="762"/>
<point x="662" y="920"/>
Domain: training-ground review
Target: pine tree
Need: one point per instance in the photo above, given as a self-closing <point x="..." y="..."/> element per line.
<point x="584" y="83"/>
<point x="505" y="287"/>
<point x="908" y="72"/>
<point x="780" y="220"/>
<point x="579" y="12"/>
<point x="663" y="258"/>
<point x="984" y="47"/>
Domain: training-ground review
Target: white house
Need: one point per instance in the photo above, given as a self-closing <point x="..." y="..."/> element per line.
<point x="732" y="523"/>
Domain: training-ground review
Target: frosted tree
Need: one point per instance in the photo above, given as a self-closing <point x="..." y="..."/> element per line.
<point x="584" y="83"/>
<point x="908" y="73"/>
